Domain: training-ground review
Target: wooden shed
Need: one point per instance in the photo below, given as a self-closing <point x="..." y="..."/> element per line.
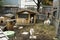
<point x="25" y="17"/>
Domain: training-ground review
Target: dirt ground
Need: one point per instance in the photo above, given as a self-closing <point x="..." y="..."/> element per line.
<point x="43" y="32"/>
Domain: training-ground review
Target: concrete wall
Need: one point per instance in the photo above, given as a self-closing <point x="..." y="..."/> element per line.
<point x="56" y="4"/>
<point x="56" y="24"/>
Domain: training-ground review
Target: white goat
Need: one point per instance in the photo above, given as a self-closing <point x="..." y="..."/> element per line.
<point x="47" y="22"/>
<point x="31" y="31"/>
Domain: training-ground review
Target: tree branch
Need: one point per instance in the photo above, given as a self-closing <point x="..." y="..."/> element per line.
<point x="35" y="2"/>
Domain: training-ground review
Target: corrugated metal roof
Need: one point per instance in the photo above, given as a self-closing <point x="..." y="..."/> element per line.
<point x="3" y="36"/>
<point x="10" y="2"/>
<point x="9" y="15"/>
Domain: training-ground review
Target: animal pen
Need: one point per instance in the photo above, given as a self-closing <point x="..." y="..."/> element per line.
<point x="25" y="17"/>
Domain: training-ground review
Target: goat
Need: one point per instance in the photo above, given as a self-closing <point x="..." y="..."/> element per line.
<point x="47" y="22"/>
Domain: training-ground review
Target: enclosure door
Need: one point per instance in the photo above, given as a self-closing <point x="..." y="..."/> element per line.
<point x="32" y="18"/>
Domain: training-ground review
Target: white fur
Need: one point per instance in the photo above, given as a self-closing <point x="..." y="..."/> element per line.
<point x="31" y="31"/>
<point x="47" y="22"/>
